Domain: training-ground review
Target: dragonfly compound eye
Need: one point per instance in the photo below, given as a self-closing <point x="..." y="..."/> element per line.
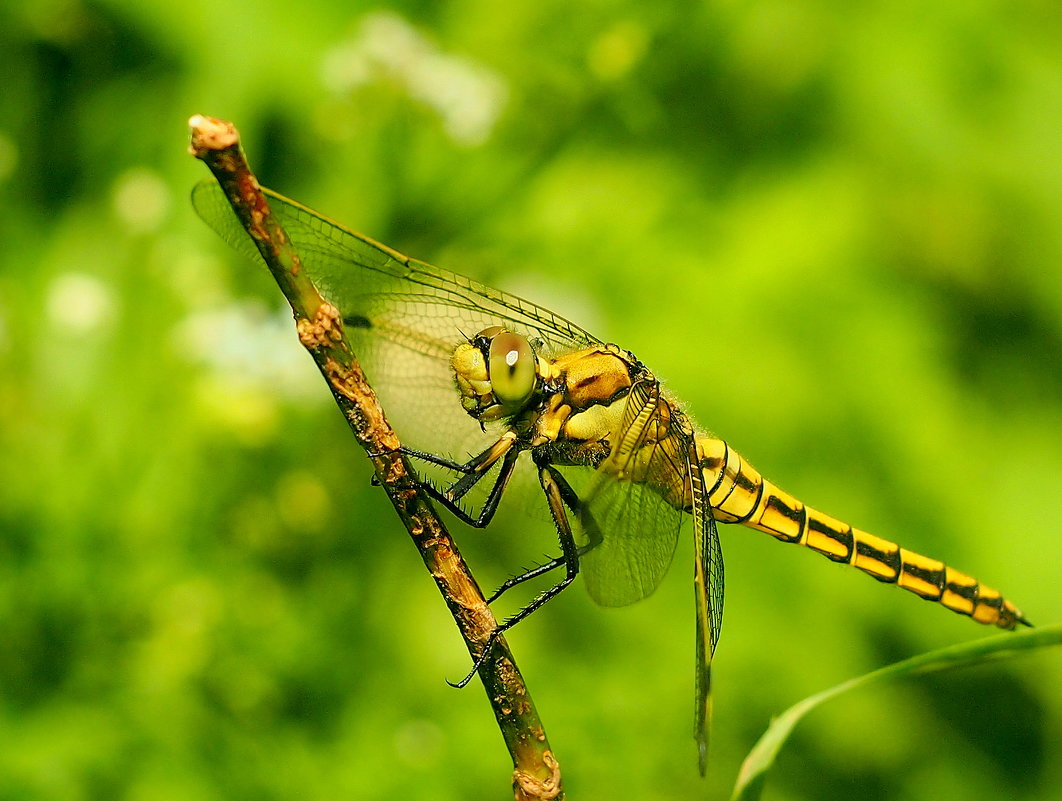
<point x="511" y="363"/>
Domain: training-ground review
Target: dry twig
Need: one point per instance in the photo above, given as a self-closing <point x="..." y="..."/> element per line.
<point x="536" y="773"/>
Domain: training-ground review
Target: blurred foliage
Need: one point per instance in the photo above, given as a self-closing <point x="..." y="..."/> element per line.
<point x="834" y="229"/>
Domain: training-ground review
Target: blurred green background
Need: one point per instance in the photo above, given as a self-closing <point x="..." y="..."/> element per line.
<point x="834" y="228"/>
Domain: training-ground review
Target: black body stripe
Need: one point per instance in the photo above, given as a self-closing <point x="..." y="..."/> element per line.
<point x="797" y="515"/>
<point x="933" y="577"/>
<point x="891" y="560"/>
<point x="842" y="537"/>
<point x="755" y="505"/>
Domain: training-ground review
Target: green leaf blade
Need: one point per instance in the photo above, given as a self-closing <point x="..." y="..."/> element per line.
<point x="753" y="774"/>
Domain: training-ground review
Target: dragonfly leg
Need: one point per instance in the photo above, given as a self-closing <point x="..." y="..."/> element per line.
<point x="477" y="468"/>
<point x="424" y="456"/>
<point x="451" y="498"/>
<point x="442" y="461"/>
<point x="527" y="575"/>
<point x="552" y="482"/>
<point x="573" y="502"/>
<point x="473" y="472"/>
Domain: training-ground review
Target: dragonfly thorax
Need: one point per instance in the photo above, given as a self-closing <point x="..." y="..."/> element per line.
<point x="496" y="373"/>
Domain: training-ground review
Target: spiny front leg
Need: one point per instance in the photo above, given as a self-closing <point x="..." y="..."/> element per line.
<point x="552" y="482"/>
<point x="473" y="472"/>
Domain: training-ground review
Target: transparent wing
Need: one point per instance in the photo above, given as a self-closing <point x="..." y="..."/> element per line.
<point x="631" y="503"/>
<point x="708" y="599"/>
<point x="403" y="317"/>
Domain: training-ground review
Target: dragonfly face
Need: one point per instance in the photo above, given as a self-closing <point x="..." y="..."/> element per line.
<point x="530" y="382"/>
<point x="496" y="373"/>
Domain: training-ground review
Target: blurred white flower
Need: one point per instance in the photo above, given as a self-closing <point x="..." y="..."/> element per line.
<point x="79" y="303"/>
<point x="244" y="343"/>
<point x="467" y="96"/>
<point x="252" y="364"/>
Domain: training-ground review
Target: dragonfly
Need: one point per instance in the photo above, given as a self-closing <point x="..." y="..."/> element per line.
<point x="462" y="367"/>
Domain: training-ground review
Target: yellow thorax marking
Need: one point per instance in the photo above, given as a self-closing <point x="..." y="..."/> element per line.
<point x="596" y="423"/>
<point x="594" y="376"/>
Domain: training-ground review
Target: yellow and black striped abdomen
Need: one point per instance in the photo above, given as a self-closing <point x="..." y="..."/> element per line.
<point x="739" y="494"/>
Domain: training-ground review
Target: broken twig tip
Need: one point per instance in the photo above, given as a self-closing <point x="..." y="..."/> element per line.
<point x="211" y="134"/>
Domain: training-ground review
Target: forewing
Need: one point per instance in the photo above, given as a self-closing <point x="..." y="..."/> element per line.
<point x="403" y="317"/>
<point x="627" y="505"/>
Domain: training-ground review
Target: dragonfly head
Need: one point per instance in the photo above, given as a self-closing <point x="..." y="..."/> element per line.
<point x="496" y="373"/>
